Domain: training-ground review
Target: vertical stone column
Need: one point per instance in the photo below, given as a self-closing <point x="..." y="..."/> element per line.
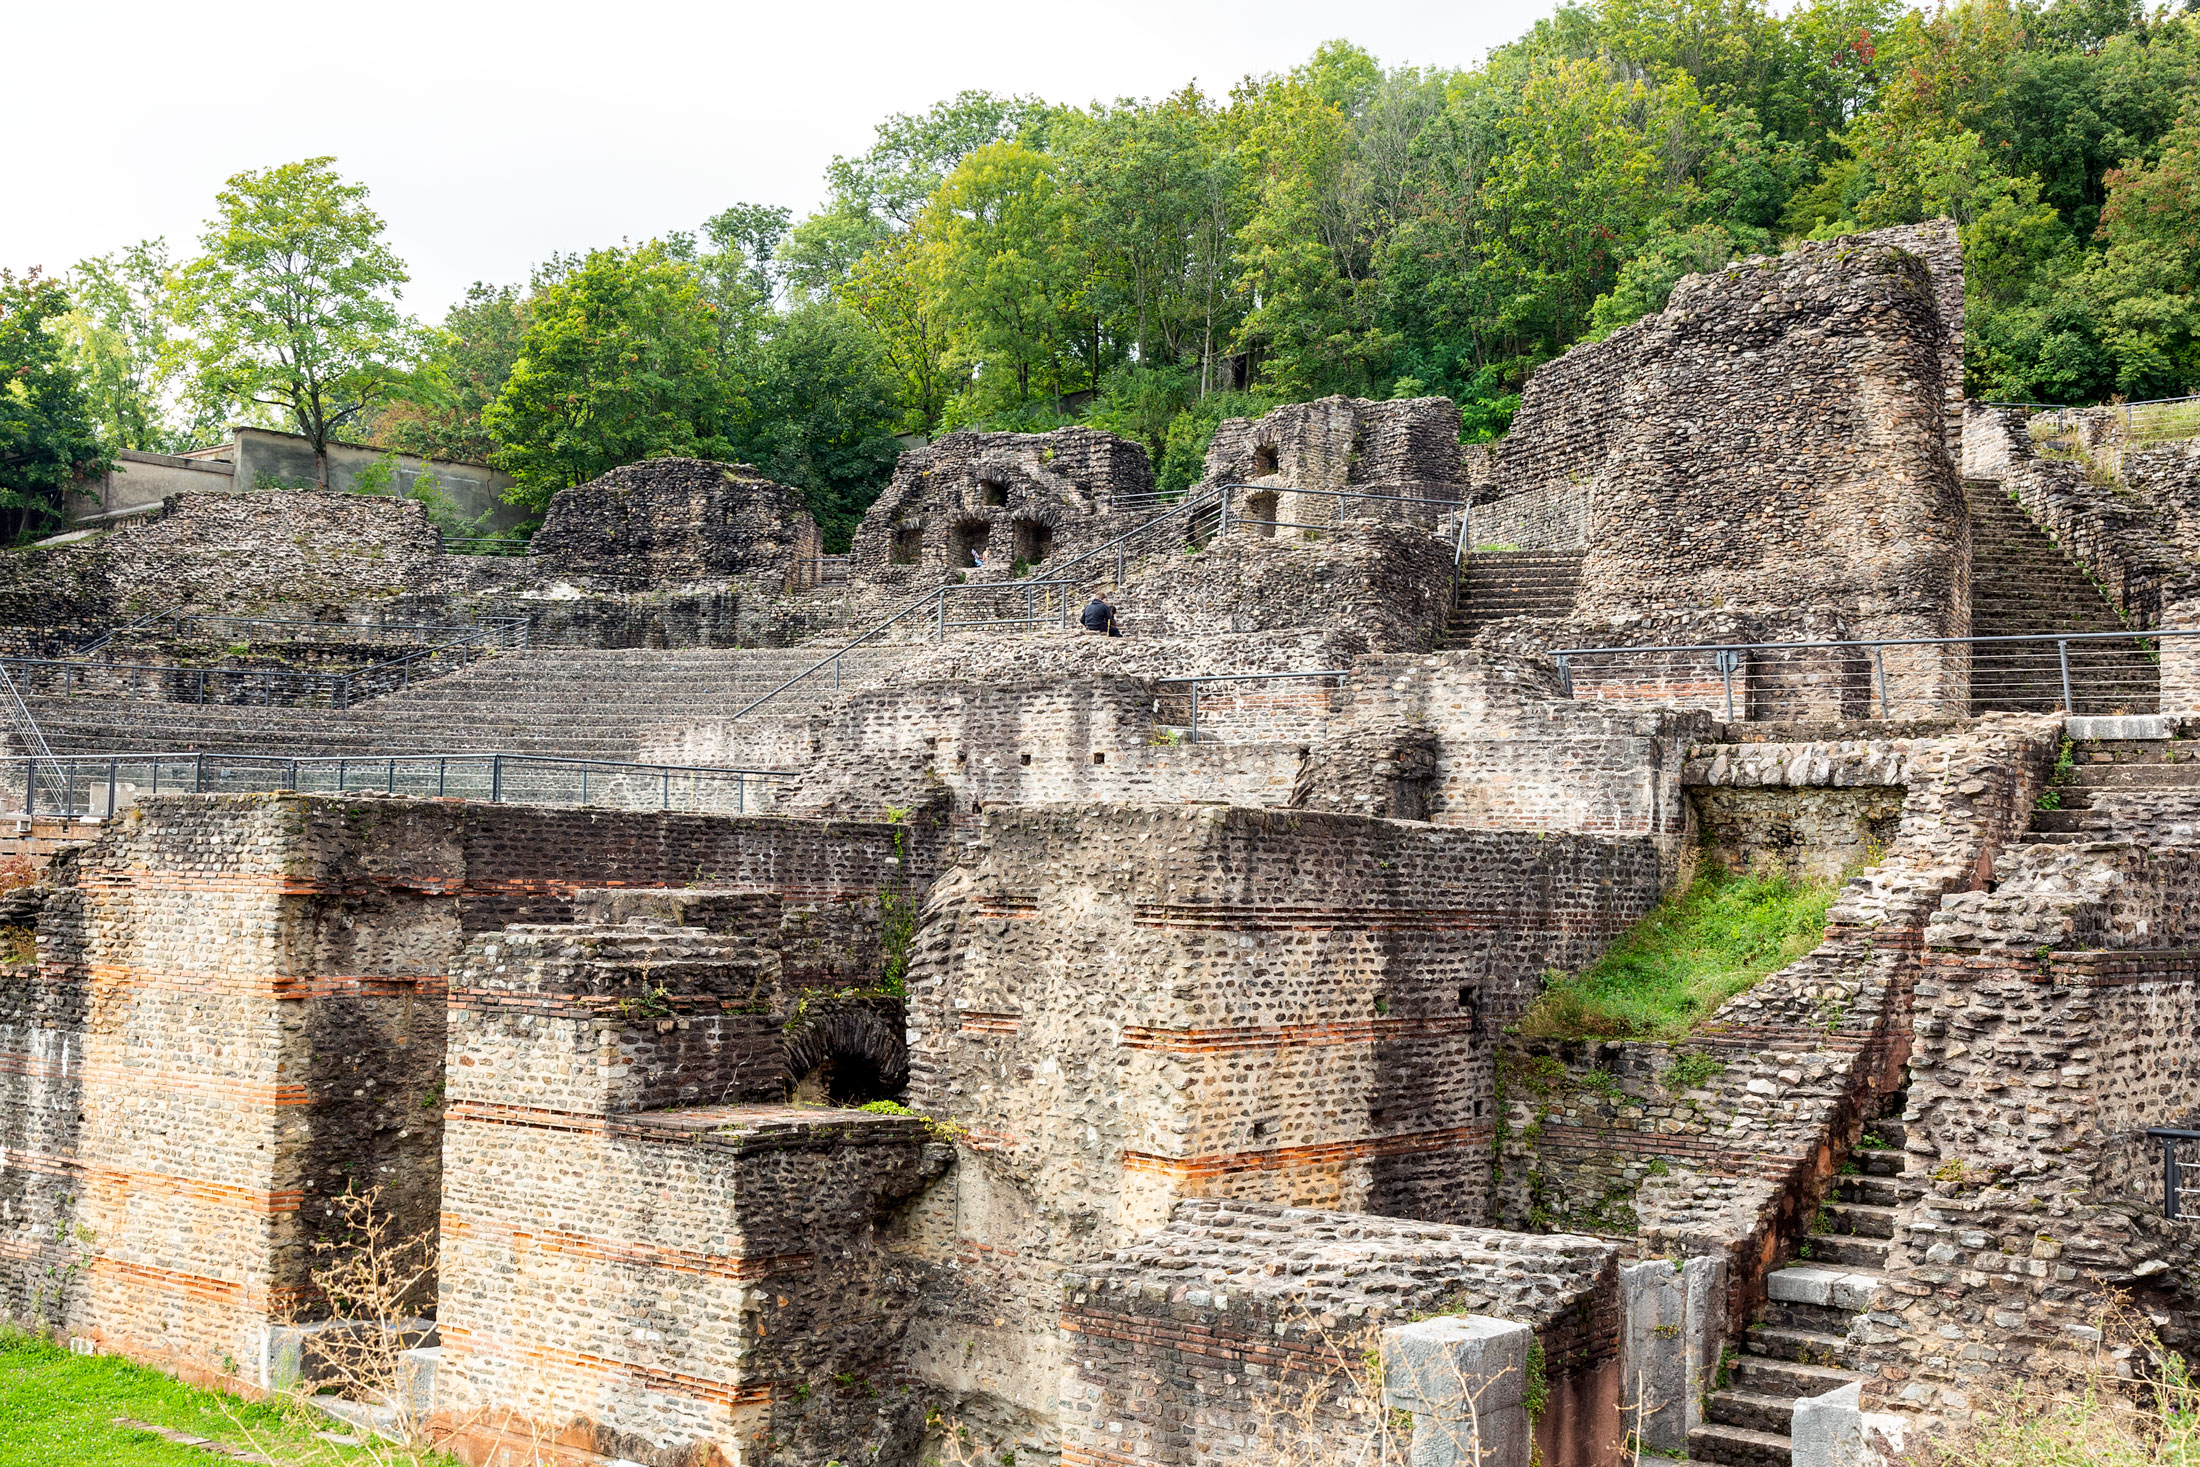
<point x="1672" y="1326"/>
<point x="1464" y="1379"/>
<point x="2181" y="658"/>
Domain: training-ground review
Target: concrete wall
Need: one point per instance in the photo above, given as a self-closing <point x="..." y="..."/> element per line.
<point x="259" y="458"/>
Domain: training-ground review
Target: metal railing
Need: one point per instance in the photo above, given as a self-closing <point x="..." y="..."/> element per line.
<point x="98" y="785"/>
<point x="1195" y="683"/>
<point x="2092" y="673"/>
<point x="26" y="734"/>
<point x="2155" y="420"/>
<point x="262" y="686"/>
<point x="188" y="623"/>
<point x="2180" y="1171"/>
<point x="1056" y="584"/>
<point x="485" y="545"/>
<point x="129" y="626"/>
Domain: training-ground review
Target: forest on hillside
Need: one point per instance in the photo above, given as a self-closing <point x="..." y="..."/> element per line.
<point x="1151" y="266"/>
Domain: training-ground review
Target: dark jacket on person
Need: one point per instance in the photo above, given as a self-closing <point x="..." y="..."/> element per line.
<point x="1098" y="616"/>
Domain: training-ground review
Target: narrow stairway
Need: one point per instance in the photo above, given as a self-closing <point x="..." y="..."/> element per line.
<point x="2023" y="584"/>
<point x="1495" y="584"/>
<point x="1799" y="1346"/>
<point x="2163" y="775"/>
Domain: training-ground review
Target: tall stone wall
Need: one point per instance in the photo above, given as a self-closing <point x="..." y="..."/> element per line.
<point x="1130" y="1007"/>
<point x="2058" y="1016"/>
<point x="1407" y="449"/>
<point x="716" y="1286"/>
<point x="668" y="520"/>
<point x="240" y="1009"/>
<point x="1784" y="435"/>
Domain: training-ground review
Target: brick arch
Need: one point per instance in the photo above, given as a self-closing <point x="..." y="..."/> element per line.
<point x="864" y="1052"/>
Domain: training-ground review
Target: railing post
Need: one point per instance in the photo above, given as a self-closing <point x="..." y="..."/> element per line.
<point x="1879" y="656"/>
<point x="111" y="782"/>
<point x="1725" y="659"/>
<point x="666" y="803"/>
<point x="496" y="778"/>
<point x="392" y="786"/>
<point x="2062" y="652"/>
<point x="2171" y="1181"/>
<point x="1459" y="551"/>
<point x="1118" y="571"/>
<point x="340" y="767"/>
<point x="202" y="774"/>
<point x="1565" y="674"/>
<point x="442" y="767"/>
<point x="1195" y="713"/>
<point x="30" y="788"/>
<point x="740" y="794"/>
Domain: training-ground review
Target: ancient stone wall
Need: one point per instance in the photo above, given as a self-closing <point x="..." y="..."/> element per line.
<point x="1017" y="497"/>
<point x="1240" y="1331"/>
<point x="670" y="520"/>
<point x="717" y="1282"/>
<point x="2056" y="1019"/>
<point x="1128" y="1007"/>
<point x="1818" y="834"/>
<point x="253" y="551"/>
<point x="255" y="987"/>
<point x="1383" y="588"/>
<point x="1408" y="448"/>
<point x="1729" y="1154"/>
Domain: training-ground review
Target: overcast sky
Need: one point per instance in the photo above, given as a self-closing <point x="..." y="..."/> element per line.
<point x="493" y="136"/>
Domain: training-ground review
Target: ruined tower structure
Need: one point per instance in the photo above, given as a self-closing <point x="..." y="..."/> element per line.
<point x="875" y="1020"/>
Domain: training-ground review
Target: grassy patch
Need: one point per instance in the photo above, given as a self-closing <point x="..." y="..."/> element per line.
<point x="1697" y="950"/>
<point x="59" y="1410"/>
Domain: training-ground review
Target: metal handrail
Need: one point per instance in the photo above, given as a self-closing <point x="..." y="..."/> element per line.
<point x="113" y="632"/>
<point x="206" y="768"/>
<point x="937" y="597"/>
<point x="2173" y="1184"/>
<point x="1727" y="657"/>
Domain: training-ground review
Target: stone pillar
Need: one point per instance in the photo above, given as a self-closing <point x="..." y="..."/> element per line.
<point x="1828" y="1430"/>
<point x="1672" y="1326"/>
<point x="2181" y="658"/>
<point x="1464" y="1379"/>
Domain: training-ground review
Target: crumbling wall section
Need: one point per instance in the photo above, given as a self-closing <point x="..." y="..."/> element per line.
<point x="1240" y="1331"/>
<point x="679" y="519"/>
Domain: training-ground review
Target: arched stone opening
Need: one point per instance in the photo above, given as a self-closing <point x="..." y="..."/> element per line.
<point x="965" y="539"/>
<point x="908" y="546"/>
<point x="846" y="1056"/>
<point x="1264" y="460"/>
<point x="992" y="493"/>
<point x="1260" y="512"/>
<point x="1034" y="541"/>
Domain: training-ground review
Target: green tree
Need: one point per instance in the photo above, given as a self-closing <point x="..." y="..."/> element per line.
<point x="1005" y="258"/>
<point x="294" y="305"/>
<point x="124" y="346"/>
<point x="467" y="362"/>
<point x="819" y="413"/>
<point x="619" y="362"/>
<point x="47" y="437"/>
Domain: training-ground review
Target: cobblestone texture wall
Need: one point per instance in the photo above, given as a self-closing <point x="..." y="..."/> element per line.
<point x="641" y="1257"/>
<point x="253" y="551"/>
<point x="1018" y="496"/>
<point x="2056" y="1020"/>
<point x="1128" y="1007"/>
<point x="1732" y="1157"/>
<point x="1240" y="1330"/>
<point x="1817" y="833"/>
<point x="1408" y="449"/>
<point x="669" y="520"/>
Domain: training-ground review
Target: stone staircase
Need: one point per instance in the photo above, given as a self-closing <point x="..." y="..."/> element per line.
<point x="566" y="702"/>
<point x="2023" y="584"/>
<point x="2153" y="782"/>
<point x="1800" y="1344"/>
<point x="1495" y="584"/>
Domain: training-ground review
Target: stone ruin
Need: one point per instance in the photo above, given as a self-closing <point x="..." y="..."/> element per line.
<point x="1107" y="1051"/>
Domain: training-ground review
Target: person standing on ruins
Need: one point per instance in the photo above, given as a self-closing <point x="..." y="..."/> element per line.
<point x="1099" y="616"/>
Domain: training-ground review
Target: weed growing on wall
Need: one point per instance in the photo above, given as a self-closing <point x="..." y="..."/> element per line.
<point x="1698" y="949"/>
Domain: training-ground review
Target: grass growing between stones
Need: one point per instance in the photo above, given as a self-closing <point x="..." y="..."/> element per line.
<point x="1676" y="966"/>
<point x="59" y="1410"/>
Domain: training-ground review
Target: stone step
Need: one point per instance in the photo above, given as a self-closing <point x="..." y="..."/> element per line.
<point x="1882" y="1191"/>
<point x="1819" y="1298"/>
<point x="1739" y="1446"/>
<point x="1862" y="1219"/>
<point x="1803" y="1346"/>
<point x="1832" y="1250"/>
<point x="1879" y="1161"/>
<point x="1890" y="1129"/>
<point x="1766" y="1375"/>
<point x="1737" y="1407"/>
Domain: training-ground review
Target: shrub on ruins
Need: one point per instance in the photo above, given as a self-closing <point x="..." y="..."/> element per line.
<point x="293" y="309"/>
<point x="47" y="438"/>
<point x="1699" y="948"/>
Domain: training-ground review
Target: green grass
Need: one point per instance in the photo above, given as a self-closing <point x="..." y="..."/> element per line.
<point x="1676" y="966"/>
<point x="59" y="1410"/>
